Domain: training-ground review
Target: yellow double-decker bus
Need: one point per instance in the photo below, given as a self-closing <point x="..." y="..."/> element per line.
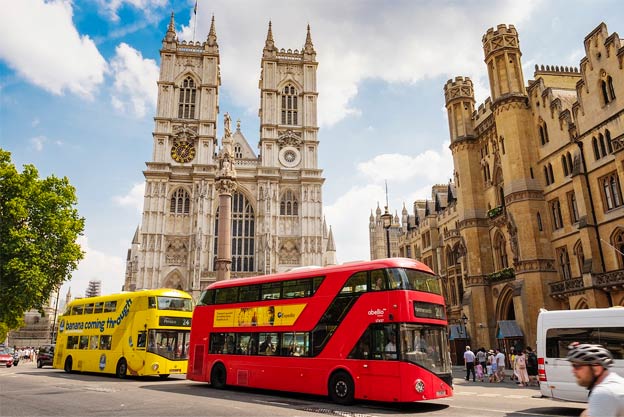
<point x="133" y="333"/>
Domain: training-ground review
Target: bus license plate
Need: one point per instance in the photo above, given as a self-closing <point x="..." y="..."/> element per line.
<point x="173" y="371"/>
<point x="441" y="393"/>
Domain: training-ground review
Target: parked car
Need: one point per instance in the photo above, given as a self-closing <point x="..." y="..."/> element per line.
<point x="45" y="357"/>
<point x="6" y="357"/>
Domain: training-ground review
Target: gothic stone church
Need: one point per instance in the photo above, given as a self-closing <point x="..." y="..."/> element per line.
<point x="277" y="217"/>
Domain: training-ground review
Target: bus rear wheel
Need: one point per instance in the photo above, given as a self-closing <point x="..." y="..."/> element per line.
<point x="122" y="368"/>
<point x="218" y="376"/>
<point x="68" y="365"/>
<point x="341" y="388"/>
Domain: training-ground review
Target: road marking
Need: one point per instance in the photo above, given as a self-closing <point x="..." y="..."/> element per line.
<point x="488" y="395"/>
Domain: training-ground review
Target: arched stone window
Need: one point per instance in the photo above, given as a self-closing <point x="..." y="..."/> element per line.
<point x="238" y="151"/>
<point x="580" y="256"/>
<point x="603" y="145"/>
<point x="563" y="261"/>
<point x="289" y="206"/>
<point x="564" y="164"/>
<point x="570" y="164"/>
<point x="500" y="252"/>
<point x="606" y="86"/>
<point x="609" y="143"/>
<point x="540" y="227"/>
<point x="187" y="99"/>
<point x="618" y="243"/>
<point x="543" y="132"/>
<point x="595" y="148"/>
<point x="290" y="105"/>
<point x="611" y="191"/>
<point x="180" y="202"/>
<point x="243" y="234"/>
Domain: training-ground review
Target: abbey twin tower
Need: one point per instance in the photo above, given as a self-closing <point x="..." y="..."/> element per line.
<point x="276" y="212"/>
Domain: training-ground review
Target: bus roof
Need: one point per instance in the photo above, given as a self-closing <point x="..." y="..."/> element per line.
<point x="159" y="292"/>
<point x="305" y="272"/>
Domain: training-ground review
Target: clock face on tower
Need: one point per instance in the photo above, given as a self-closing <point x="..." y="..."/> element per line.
<point x="182" y="151"/>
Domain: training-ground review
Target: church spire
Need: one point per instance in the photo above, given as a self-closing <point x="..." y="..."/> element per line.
<point x="171" y="33"/>
<point x="269" y="44"/>
<point x="308" y="48"/>
<point x="212" y="34"/>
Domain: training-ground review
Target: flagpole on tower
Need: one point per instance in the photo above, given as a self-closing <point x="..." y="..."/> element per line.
<point x="194" y="20"/>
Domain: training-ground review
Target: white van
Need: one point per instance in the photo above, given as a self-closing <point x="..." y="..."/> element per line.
<point x="556" y="330"/>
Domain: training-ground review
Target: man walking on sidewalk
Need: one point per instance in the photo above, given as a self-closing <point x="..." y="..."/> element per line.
<point x="469" y="359"/>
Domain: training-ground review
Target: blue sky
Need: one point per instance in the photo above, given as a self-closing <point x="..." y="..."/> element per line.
<point x="77" y="93"/>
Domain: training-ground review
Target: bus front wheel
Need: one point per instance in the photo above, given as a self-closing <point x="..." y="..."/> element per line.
<point x="341" y="388"/>
<point x="122" y="368"/>
<point x="68" y="365"/>
<point x="218" y="376"/>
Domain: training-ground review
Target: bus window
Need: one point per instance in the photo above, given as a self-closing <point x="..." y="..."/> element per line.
<point x="316" y="283"/>
<point x="271" y="291"/>
<point x="99" y="307"/>
<point x="77" y="309"/>
<point x="362" y="348"/>
<point x="84" y="342"/>
<point x="110" y="306"/>
<point x="88" y="308"/>
<point x="268" y="344"/>
<point x="424" y="345"/>
<point x="419" y="280"/>
<point x="395" y="279"/>
<point x="379" y="282"/>
<point x="226" y="295"/>
<point x="170" y="344"/>
<point x="295" y="344"/>
<point x="249" y="293"/>
<point x="72" y="342"/>
<point x="355" y="284"/>
<point x="93" y="343"/>
<point x="296" y="288"/>
<point x="217" y="340"/>
<point x="384" y="341"/>
<point x="141" y="339"/>
<point x="151" y="302"/>
<point x="174" y="303"/>
<point x="206" y="298"/>
<point x="105" y="342"/>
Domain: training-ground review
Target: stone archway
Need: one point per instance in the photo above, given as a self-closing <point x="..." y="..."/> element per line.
<point x="505" y="306"/>
<point x="581" y="305"/>
<point x="174" y="280"/>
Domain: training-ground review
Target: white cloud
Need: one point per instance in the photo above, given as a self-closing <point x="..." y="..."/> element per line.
<point x="96" y="265"/>
<point x="355" y="41"/>
<point x="135" y="80"/>
<point x="38" y="142"/>
<point x="133" y="199"/>
<point x="40" y="42"/>
<point x="111" y="7"/>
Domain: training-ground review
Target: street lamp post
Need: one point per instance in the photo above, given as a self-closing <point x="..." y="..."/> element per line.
<point x="386" y="220"/>
<point x="464" y="320"/>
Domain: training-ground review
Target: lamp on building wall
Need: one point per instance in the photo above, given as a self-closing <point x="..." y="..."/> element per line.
<point x="386" y="221"/>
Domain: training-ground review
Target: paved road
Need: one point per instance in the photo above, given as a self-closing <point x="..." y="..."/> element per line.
<point x="28" y="391"/>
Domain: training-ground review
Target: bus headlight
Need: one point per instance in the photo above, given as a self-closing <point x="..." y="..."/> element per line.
<point x="419" y="386"/>
<point x="155" y="366"/>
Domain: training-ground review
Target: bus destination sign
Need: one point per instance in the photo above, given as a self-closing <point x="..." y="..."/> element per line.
<point x="174" y="321"/>
<point x="429" y="310"/>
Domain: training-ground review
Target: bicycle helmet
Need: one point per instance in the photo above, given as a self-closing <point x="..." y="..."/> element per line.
<point x="588" y="354"/>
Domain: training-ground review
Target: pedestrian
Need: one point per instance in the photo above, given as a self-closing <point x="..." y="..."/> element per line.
<point x="492" y="367"/>
<point x="531" y="359"/>
<point x="512" y="360"/>
<point x="520" y="369"/>
<point x="590" y="366"/>
<point x="500" y="365"/>
<point x="479" y="372"/>
<point x="482" y="358"/>
<point x="469" y="359"/>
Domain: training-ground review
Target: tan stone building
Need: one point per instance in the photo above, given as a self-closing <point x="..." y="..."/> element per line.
<point x="535" y="215"/>
<point x="277" y="218"/>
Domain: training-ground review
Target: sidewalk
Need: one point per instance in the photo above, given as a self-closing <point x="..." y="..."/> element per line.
<point x="459" y="378"/>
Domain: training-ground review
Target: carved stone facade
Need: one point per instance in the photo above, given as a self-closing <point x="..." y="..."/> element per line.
<point x="535" y="215"/>
<point x="276" y="218"/>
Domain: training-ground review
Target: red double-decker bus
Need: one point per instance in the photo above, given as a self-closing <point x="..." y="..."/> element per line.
<point x="368" y="330"/>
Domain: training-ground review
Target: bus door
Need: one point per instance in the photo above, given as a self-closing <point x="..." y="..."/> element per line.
<point x="378" y="371"/>
<point x="136" y="357"/>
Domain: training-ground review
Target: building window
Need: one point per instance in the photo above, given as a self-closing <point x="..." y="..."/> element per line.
<point x="243" y="235"/>
<point x="603" y="147"/>
<point x="238" y="151"/>
<point x="574" y="216"/>
<point x="564" y="164"/>
<point x="611" y="191"/>
<point x="564" y="262"/>
<point x="595" y="148"/>
<point x="608" y="92"/>
<point x="180" y="202"/>
<point x="580" y="257"/>
<point x="540" y="227"/>
<point x="186" y="102"/>
<point x="555" y="209"/>
<point x="570" y="164"/>
<point x="609" y="143"/>
<point x="289" y="205"/>
<point x="289" y="105"/>
<point x="546" y="176"/>
<point x="543" y="133"/>
<point x="550" y="172"/>
<point x="500" y="252"/>
<point x="618" y="242"/>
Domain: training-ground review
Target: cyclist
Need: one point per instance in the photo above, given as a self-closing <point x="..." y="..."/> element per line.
<point x="590" y="365"/>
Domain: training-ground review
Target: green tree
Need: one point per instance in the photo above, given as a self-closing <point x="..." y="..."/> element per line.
<point x="39" y="225"/>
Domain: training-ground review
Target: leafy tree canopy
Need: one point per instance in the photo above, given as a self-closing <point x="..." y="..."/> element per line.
<point x="39" y="225"/>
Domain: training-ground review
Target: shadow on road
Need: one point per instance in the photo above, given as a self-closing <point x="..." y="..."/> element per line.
<point x="296" y="401"/>
<point x="547" y="411"/>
